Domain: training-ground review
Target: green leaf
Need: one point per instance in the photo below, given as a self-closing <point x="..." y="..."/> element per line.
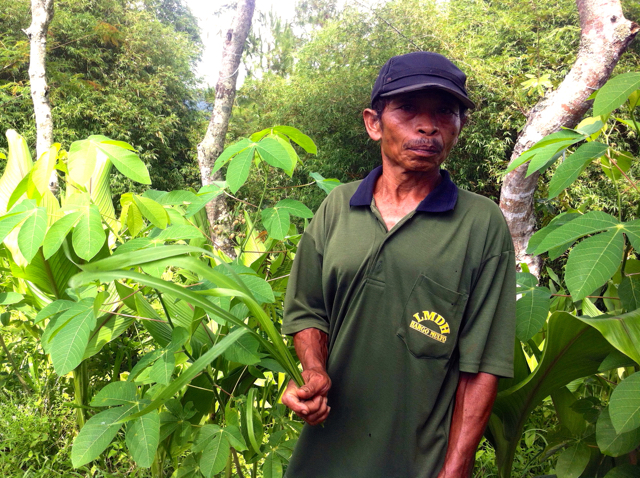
<point x="88" y="235"/>
<point x="230" y="152"/>
<point x="52" y="309"/>
<point x="81" y="161"/>
<point x="68" y="345"/>
<point x="206" y="194"/>
<point x="205" y="434"/>
<point x="238" y="170"/>
<point x="125" y="161"/>
<point x="541" y="152"/>
<point x="589" y="223"/>
<point x="632" y="230"/>
<point x="532" y="310"/>
<point x="32" y="233"/>
<point x="295" y="208"/>
<point x="17" y="166"/>
<point x="274" y="154"/>
<point x="9" y="222"/>
<point x="301" y="139"/>
<point x="190" y="373"/>
<point x="143" y="438"/>
<point x="259" y="287"/>
<point x="58" y="232"/>
<point x="244" y="351"/>
<point x="612" y="443"/>
<point x="572" y="350"/>
<point x="272" y="467"/>
<point x="114" y="394"/>
<point x="176" y="198"/>
<point x="153" y="211"/>
<point x="623" y="159"/>
<point x="629" y="292"/>
<point x="180" y="232"/>
<point x="593" y="262"/>
<point x="624" y="471"/>
<point x="162" y="370"/>
<point x="214" y="457"/>
<point x="236" y="440"/>
<point x="573" y="461"/>
<point x="624" y="406"/>
<point x="615" y="92"/>
<point x="572" y="167"/>
<point x="8" y="298"/>
<point x="97" y="433"/>
<point x="276" y="221"/>
<point x="327" y="185"/>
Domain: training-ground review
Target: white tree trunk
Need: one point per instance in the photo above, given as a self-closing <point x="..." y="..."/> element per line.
<point x="41" y="16"/>
<point x="605" y="36"/>
<point x="213" y="143"/>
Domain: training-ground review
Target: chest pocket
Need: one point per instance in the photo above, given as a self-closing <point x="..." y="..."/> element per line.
<point x="430" y="322"/>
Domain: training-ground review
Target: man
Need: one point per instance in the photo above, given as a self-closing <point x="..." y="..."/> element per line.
<point x="402" y="298"/>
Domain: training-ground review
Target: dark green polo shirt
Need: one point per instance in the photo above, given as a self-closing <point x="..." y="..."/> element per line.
<point x="406" y="310"/>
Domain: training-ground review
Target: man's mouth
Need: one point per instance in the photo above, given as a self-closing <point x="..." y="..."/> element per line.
<point x="427" y="148"/>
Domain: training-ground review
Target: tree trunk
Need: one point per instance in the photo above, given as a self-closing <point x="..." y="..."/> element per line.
<point x="605" y="36"/>
<point x="41" y="16"/>
<point x="213" y="143"/>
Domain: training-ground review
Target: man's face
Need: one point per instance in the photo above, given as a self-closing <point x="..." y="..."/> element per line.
<point x="416" y="130"/>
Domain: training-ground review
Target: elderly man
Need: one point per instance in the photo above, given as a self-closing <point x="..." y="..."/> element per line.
<point x="402" y="297"/>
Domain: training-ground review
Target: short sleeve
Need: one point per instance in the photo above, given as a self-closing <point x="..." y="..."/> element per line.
<point x="304" y="305"/>
<point x="486" y="341"/>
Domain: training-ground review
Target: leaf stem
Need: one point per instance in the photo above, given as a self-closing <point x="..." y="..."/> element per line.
<point x="589" y="296"/>
<point x="255" y="219"/>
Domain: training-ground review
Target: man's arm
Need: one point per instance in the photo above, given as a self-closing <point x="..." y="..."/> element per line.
<point x="474" y="400"/>
<point x="310" y="401"/>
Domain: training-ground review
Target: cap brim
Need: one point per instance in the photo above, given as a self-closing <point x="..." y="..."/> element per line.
<point x="429" y="85"/>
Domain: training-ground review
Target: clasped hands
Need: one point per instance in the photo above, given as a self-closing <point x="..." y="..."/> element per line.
<point x="309" y="402"/>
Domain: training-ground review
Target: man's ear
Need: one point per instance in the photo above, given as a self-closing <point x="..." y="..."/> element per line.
<point x="373" y="124"/>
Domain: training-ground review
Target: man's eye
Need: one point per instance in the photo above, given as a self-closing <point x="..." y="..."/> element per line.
<point x="446" y="111"/>
<point x="407" y="107"/>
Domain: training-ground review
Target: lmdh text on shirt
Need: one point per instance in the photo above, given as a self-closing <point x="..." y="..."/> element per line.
<point x="432" y="317"/>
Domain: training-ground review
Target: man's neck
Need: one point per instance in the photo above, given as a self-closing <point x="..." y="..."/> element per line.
<point x="398" y="186"/>
<point x="397" y="193"/>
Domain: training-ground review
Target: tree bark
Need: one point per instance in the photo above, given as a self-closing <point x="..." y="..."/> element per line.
<point x="213" y="143"/>
<point x="605" y="36"/>
<point x="41" y="16"/>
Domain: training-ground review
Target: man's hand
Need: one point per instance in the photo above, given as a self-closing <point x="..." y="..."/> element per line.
<point x="309" y="402"/>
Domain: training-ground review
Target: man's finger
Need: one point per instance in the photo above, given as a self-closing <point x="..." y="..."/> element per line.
<point x="318" y="418"/>
<point x="317" y="385"/>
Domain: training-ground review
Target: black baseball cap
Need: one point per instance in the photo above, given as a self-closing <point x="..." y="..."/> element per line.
<point x="418" y="71"/>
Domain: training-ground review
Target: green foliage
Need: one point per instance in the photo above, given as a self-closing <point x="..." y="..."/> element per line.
<point x="595" y="333"/>
<point x="126" y="72"/>
<point x="206" y="325"/>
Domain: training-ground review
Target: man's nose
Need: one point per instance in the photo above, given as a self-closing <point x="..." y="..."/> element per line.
<point x="427" y="123"/>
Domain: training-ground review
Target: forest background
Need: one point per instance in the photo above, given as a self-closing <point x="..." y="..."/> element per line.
<point x="127" y="71"/>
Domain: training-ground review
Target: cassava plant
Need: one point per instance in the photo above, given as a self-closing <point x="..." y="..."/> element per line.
<point x="201" y="392"/>
<point x="587" y="322"/>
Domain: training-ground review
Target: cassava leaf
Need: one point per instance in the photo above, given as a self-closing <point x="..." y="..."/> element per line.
<point x="593" y="262"/>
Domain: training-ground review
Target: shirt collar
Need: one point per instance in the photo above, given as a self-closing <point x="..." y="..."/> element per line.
<point x="443" y="198"/>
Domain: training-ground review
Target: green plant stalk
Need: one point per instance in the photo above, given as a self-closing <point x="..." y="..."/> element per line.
<point x="633" y="118"/>
<point x="230" y="288"/>
<point x="228" y="470"/>
<point x="184" y="349"/>
<point x="81" y="389"/>
<point x="116" y="366"/>
<point x="255" y="219"/>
